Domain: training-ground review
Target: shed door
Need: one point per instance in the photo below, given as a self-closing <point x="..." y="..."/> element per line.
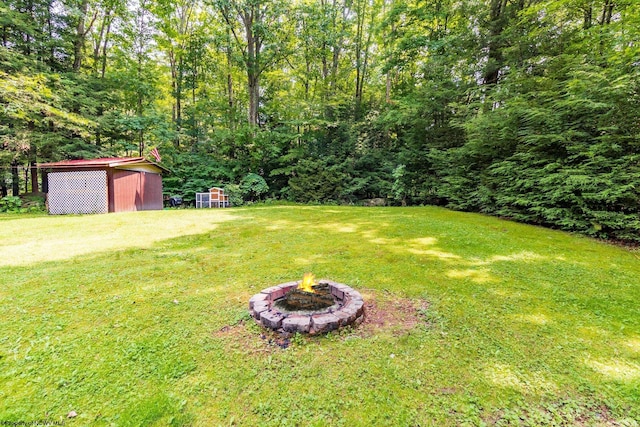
<point x="136" y="191"/>
<point x="80" y="192"/>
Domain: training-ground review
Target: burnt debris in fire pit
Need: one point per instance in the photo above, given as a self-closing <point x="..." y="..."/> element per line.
<point x="285" y="307"/>
<point x="297" y="299"/>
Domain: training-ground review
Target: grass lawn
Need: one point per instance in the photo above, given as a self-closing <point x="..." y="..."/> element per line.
<point x="141" y="319"/>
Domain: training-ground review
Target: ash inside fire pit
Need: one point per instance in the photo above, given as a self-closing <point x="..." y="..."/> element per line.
<point x="307" y="306"/>
<point x="296" y="299"/>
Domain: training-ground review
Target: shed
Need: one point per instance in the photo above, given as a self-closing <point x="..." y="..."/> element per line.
<point x="103" y="185"/>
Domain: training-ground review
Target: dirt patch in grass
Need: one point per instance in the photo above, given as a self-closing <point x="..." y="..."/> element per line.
<point x="602" y="415"/>
<point x="569" y="413"/>
<point x="383" y="314"/>
<point x="247" y="337"/>
<point x="398" y="315"/>
<point x="229" y="330"/>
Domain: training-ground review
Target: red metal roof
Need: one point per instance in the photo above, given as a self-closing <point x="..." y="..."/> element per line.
<point x="105" y="161"/>
<point x="110" y="162"/>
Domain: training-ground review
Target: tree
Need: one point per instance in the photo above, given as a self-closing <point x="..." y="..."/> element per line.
<point x="256" y="28"/>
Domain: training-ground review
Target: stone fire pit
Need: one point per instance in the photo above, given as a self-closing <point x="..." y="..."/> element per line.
<point x="268" y="310"/>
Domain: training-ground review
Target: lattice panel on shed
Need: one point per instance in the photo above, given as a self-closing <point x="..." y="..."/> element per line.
<point x="81" y="192"/>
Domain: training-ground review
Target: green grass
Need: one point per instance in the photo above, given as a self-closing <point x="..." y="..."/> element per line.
<point x="140" y="319"/>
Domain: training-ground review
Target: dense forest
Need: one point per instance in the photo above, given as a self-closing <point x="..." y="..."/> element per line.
<point x="524" y="109"/>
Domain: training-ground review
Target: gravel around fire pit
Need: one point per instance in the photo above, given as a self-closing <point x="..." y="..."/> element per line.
<point x="348" y="309"/>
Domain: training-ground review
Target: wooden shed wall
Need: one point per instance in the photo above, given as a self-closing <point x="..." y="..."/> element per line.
<point x="152" y="191"/>
<point x="135" y="191"/>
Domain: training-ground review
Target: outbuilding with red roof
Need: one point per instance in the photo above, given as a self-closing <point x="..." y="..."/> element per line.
<point x="103" y="185"/>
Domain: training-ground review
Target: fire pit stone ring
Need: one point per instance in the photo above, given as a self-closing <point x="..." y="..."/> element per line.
<point x="347" y="310"/>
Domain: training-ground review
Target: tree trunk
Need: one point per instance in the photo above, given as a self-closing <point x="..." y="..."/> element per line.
<point x="607" y="12"/>
<point x="494" y="57"/>
<point x="387" y="92"/>
<point x="52" y="50"/>
<point x="44" y="181"/>
<point x="337" y="47"/>
<point x="178" y="95"/>
<point x="28" y="38"/>
<point x="104" y="50"/>
<point x="78" y="42"/>
<point x="141" y="131"/>
<point x="254" y="99"/>
<point x="3" y="186"/>
<point x="139" y="109"/>
<point x="195" y="130"/>
<point x="499" y="17"/>
<point x="325" y="64"/>
<point x="361" y="7"/>
<point x="105" y="27"/>
<point x="306" y="80"/>
<point x="98" y="43"/>
<point x="34" y="177"/>
<point x="253" y="70"/>
<point x="365" y="60"/>
<point x="251" y="15"/>
<point x="174" y="80"/>
<point x="587" y="17"/>
<point x="176" y="84"/>
<point x="230" y="95"/>
<point x="230" y="90"/>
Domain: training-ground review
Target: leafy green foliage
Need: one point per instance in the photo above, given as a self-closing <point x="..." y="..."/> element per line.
<point x="399" y="190"/>
<point x="194" y="173"/>
<point x="561" y="161"/>
<point x="10" y="204"/>
<point x="253" y="187"/>
<point x="235" y="194"/>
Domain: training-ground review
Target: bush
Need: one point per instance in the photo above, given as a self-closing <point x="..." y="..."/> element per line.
<point x="235" y="194"/>
<point x="10" y="204"/>
<point x="253" y="186"/>
<point x="317" y="181"/>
